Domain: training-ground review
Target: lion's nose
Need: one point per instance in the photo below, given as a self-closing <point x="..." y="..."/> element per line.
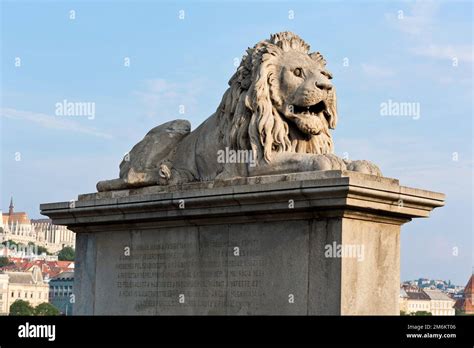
<point x="323" y="85"/>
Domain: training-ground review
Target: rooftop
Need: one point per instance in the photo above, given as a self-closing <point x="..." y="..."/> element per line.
<point x="437" y="295"/>
<point x="417" y="295"/>
<point x="64" y="276"/>
<point x="20" y="217"/>
<point x="20" y="277"/>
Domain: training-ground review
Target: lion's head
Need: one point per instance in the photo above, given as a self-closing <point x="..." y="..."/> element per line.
<point x="280" y="99"/>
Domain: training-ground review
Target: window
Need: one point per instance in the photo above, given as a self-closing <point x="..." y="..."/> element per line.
<point x="13" y="294"/>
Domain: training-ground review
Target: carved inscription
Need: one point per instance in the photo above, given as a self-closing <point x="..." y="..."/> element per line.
<point x="208" y="276"/>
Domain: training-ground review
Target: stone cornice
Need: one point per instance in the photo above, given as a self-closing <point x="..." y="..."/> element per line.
<point x="316" y="194"/>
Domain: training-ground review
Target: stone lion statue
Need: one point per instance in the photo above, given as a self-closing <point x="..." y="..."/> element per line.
<point x="274" y="118"/>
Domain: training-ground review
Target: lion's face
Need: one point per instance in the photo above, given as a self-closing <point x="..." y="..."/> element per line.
<point x="303" y="93"/>
<point x="280" y="100"/>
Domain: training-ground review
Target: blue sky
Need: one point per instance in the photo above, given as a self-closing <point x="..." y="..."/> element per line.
<point x="378" y="51"/>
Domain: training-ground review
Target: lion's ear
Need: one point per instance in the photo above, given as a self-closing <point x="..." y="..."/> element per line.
<point x="332" y="108"/>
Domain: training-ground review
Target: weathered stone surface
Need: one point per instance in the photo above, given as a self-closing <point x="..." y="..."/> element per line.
<point x="200" y="264"/>
<point x="182" y="242"/>
<point x="85" y="273"/>
<point x="275" y="117"/>
<point x="371" y="287"/>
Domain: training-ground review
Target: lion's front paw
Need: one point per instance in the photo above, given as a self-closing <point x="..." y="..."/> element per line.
<point x="365" y="167"/>
<point x="328" y="162"/>
<point x="164" y="173"/>
<point x="134" y="178"/>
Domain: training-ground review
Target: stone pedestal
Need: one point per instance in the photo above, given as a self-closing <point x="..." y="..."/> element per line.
<point x="314" y="243"/>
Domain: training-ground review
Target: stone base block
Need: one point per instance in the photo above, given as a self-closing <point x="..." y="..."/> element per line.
<point x="315" y="243"/>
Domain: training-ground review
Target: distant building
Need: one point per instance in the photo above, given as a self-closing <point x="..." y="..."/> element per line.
<point x="403" y="301"/>
<point x="422" y="282"/>
<point x="465" y="304"/>
<point x="18" y="227"/>
<point x="433" y="301"/>
<point x="411" y="287"/>
<point x="60" y="292"/>
<point x="53" y="237"/>
<point x="417" y="302"/>
<point x="27" y="286"/>
<point x="440" y="303"/>
<point x="3" y="294"/>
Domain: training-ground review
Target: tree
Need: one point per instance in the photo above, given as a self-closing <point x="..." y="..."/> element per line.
<point x="66" y="254"/>
<point x="403" y="313"/>
<point x="10" y="243"/>
<point x="42" y="250"/>
<point x="39" y="249"/>
<point x="45" y="308"/>
<point x="20" y="307"/>
<point x="423" y="313"/>
<point x="4" y="261"/>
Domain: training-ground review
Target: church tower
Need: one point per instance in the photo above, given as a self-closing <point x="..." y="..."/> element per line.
<point x="10" y="208"/>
